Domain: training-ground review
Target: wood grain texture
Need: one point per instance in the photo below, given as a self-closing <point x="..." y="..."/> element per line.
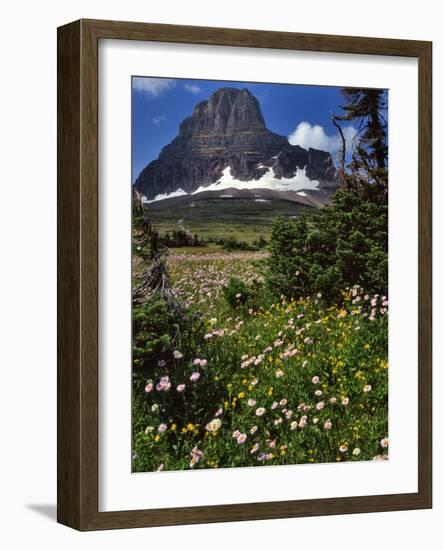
<point x="68" y="276"/>
<point x="425" y="273"/>
<point x="78" y="273"/>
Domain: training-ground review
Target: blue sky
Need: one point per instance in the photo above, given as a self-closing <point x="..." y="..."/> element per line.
<point x="302" y="113"/>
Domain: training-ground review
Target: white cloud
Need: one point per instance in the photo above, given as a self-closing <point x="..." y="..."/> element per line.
<point x="152" y="86"/>
<point x="192" y="88"/>
<point x="159" y="119"/>
<point x="307" y="136"/>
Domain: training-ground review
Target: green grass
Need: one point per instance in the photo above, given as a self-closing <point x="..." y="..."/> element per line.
<point x="220" y="219"/>
<point x="197" y="250"/>
<point x="270" y="351"/>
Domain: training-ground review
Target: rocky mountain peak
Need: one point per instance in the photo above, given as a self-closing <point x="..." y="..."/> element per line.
<point x="228" y="131"/>
<point x="227" y="111"/>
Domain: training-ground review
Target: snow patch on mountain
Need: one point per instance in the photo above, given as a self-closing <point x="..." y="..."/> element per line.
<point x="297" y="183"/>
<point x="162" y="196"/>
<point x="268" y="181"/>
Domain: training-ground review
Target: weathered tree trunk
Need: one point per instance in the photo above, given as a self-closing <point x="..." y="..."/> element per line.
<point x="155" y="272"/>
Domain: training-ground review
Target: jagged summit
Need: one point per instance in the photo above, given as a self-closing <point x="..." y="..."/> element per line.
<point x="227" y="132"/>
<point x="228" y="110"/>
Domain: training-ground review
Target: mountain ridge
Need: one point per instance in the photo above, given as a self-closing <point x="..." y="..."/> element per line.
<point x="228" y="131"/>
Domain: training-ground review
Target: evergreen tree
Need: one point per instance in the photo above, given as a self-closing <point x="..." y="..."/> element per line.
<point x="346" y="242"/>
<point x="368" y="169"/>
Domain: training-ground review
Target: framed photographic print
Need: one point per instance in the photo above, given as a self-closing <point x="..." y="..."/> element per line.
<point x="244" y="275"/>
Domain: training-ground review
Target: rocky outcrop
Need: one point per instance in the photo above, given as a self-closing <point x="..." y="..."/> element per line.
<point x="228" y="130"/>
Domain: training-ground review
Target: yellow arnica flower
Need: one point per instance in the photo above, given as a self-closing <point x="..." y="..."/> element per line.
<point x="157" y="438"/>
<point x="190" y="426"/>
<point x="173" y="427"/>
<point x="241" y="395"/>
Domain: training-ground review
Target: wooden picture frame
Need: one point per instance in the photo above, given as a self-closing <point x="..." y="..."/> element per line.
<point x="78" y="274"/>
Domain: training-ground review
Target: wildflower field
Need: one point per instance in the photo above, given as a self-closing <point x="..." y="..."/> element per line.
<point x="240" y="376"/>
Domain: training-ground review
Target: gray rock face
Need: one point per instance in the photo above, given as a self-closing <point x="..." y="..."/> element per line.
<point x="229" y="130"/>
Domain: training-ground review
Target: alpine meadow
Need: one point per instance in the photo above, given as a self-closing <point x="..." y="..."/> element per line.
<point x="259" y="274"/>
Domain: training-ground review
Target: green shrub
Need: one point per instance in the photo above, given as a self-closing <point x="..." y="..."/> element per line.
<point x="232" y="244"/>
<point x="158" y="330"/>
<point x="181" y="238"/>
<point x="236" y="292"/>
<point x="345" y="244"/>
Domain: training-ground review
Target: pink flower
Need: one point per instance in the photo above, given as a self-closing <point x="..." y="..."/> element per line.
<point x="367" y="388"/>
<point x="303" y="422"/>
<point x="343" y="448"/>
<point x="197" y="361"/>
<point x="196" y="455"/>
<point x="283" y="402"/>
<point x="384" y="443"/>
<point x="164" y="384"/>
<point x="380" y="457"/>
<point x="253" y="430"/>
<point x="181" y="388"/>
<point x="177" y="354"/>
<point x="320" y="405"/>
<point x="272" y="444"/>
<point x="236" y="434"/>
<point x="345" y="401"/>
<point x="219" y="412"/>
<point x="203" y="362"/>
<point x="194" y="376"/>
<point x="260" y="411"/>
<point x="149" y="387"/>
<point x="315" y="379"/>
<point x="318" y="393"/>
<point x="327" y="425"/>
<point x="251" y="402"/>
<point x="333" y="400"/>
<point x="162" y="428"/>
<point x="241" y="439"/>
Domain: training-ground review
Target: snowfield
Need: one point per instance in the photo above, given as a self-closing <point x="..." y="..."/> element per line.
<point x="297" y="183"/>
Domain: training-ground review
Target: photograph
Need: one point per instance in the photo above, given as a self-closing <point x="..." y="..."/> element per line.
<point x="259" y="274"/>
